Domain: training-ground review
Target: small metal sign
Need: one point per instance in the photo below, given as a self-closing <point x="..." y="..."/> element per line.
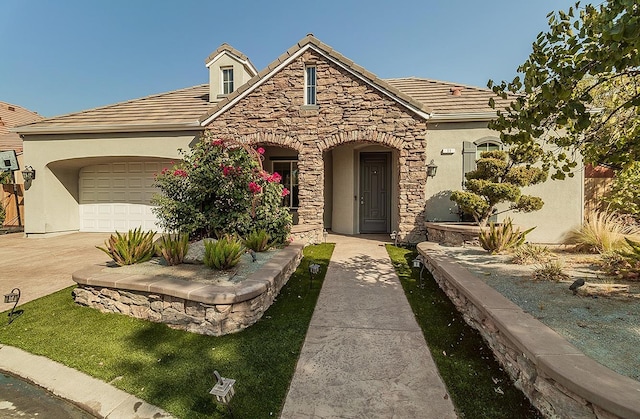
<point x="13" y="297"/>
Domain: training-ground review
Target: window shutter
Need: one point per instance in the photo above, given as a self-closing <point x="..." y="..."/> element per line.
<point x="468" y="158"/>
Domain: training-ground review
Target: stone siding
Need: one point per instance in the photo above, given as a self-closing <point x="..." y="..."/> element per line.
<point x="208" y="310"/>
<point x="348" y="111"/>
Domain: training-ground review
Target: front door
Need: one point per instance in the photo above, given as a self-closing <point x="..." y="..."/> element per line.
<point x="375" y="195"/>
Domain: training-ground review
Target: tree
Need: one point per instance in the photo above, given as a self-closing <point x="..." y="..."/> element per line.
<point x="498" y="177"/>
<point x="570" y="66"/>
<point x="624" y="196"/>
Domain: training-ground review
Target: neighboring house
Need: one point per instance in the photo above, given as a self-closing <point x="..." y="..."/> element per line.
<point x="11" y="198"/>
<point x="12" y="116"/>
<point x="352" y="148"/>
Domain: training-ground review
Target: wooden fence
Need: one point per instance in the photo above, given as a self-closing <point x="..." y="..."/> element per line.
<point x="12" y="202"/>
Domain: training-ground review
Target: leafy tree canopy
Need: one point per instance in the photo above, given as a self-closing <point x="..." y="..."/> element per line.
<point x="580" y="89"/>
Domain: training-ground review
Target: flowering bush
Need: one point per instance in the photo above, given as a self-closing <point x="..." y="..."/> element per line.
<point x="220" y="188"/>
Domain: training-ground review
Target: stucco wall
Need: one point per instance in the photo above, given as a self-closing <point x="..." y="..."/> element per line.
<point x="52" y="198"/>
<point x="563" y="200"/>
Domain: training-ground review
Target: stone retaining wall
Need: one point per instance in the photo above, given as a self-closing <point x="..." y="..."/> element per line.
<point x="187" y="305"/>
<point x="452" y="234"/>
<point x="558" y="379"/>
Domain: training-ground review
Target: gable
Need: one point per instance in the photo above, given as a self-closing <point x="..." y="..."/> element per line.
<point x="345" y="103"/>
<point x="323" y="53"/>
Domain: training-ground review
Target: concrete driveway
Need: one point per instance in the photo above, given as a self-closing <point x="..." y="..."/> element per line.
<point x="41" y="266"/>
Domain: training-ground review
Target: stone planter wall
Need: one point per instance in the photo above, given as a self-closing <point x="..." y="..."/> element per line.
<point x="452" y="234"/>
<point x="186" y="305"/>
<point x="558" y="379"/>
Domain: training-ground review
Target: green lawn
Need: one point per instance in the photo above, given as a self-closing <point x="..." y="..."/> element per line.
<point x="174" y="369"/>
<point x="478" y="386"/>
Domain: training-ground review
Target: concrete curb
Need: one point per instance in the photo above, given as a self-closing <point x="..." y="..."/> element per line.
<point x="554" y="374"/>
<point x="90" y="394"/>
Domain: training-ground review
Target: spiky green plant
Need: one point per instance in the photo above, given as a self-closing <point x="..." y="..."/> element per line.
<point x="529" y="253"/>
<point x="552" y="270"/>
<point x="601" y="232"/>
<point x="224" y="253"/>
<point x="135" y="246"/>
<point x="173" y="247"/>
<point x="624" y="263"/>
<point x="501" y="237"/>
<point x="257" y="240"/>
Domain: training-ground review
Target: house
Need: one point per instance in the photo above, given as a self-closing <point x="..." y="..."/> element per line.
<point x="353" y="148"/>
<point x="11" y="198"/>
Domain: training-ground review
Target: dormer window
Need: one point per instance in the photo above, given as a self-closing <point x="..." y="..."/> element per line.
<point x="227" y="80"/>
<point x="310" y="85"/>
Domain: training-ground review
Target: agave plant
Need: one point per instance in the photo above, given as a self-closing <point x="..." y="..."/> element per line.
<point x="224" y="253"/>
<point x="500" y="237"/>
<point x="173" y="248"/>
<point x="257" y="240"/>
<point x="134" y="247"/>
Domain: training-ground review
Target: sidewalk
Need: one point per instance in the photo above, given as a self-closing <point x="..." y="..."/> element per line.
<point x="364" y="355"/>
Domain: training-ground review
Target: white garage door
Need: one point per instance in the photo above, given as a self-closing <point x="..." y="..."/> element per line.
<point x="117" y="196"/>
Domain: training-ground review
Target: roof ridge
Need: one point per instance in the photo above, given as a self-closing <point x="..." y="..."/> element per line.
<point x="155" y="95"/>
<point x="21" y="108"/>
<point x="467" y="86"/>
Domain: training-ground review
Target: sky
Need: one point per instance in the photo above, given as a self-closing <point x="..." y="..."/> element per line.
<point x="58" y="57"/>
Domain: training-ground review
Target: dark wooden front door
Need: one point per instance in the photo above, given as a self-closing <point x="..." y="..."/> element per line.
<point x="375" y="194"/>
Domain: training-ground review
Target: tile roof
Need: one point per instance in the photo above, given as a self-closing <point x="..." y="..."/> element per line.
<point x="12" y="116"/>
<point x="178" y="107"/>
<point x="190" y="106"/>
<point x="228" y="48"/>
<point x="440" y="97"/>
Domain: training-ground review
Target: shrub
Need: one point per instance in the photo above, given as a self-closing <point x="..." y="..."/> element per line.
<point x="500" y="237"/>
<point x="221" y="188"/>
<point x="134" y="247"/>
<point x="624" y="197"/>
<point x="528" y="254"/>
<point x="601" y="232"/>
<point x="173" y="248"/>
<point x="224" y="253"/>
<point x="624" y="263"/>
<point x="499" y="177"/>
<point x="257" y="240"/>
<point x="3" y="214"/>
<point x="551" y="270"/>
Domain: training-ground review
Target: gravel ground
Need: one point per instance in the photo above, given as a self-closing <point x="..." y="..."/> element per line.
<point x="607" y="329"/>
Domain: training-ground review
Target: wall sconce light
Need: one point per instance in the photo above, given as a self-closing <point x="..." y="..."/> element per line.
<point x="223" y="390"/>
<point x="28" y="174"/>
<point x="432" y="168"/>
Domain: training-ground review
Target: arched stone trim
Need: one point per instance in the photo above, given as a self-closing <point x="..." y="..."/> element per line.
<point x="356" y="136"/>
<point x="271" y="138"/>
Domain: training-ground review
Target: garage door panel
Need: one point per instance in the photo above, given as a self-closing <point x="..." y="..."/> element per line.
<point x="117" y="196"/>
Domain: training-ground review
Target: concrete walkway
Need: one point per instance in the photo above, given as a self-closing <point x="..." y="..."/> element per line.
<point x="364" y="355"/>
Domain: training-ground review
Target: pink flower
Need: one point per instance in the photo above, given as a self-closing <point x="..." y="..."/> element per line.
<point x="264" y="175"/>
<point x="227" y="170"/>
<point x="180" y="172"/>
<point x="217" y="142"/>
<point x="275" y="177"/>
<point x="164" y="171"/>
<point x="285" y="192"/>
<point x="260" y="150"/>
<point x="255" y="188"/>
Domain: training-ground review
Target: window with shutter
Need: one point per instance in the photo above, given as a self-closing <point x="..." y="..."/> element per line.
<point x="469" y="150"/>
